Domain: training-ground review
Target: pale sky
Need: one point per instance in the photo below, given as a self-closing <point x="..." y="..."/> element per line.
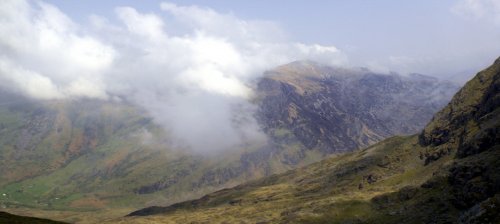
<point x="441" y="38"/>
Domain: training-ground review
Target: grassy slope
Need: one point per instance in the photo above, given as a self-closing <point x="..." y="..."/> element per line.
<point x="450" y="172"/>
<point x="331" y="186"/>
<point x="73" y="171"/>
<point x="77" y="172"/>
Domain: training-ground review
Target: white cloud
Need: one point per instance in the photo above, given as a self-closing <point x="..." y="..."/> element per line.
<point x="30" y="82"/>
<point x="82" y="87"/>
<point x="322" y="54"/>
<point x="39" y="39"/>
<point x="147" y="25"/>
<point x="195" y="18"/>
<point x="192" y="75"/>
<point x="484" y="10"/>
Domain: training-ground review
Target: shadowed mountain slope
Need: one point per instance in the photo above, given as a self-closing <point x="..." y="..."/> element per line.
<point x="15" y="219"/>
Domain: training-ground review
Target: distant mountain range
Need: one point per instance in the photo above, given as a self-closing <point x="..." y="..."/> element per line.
<point x="87" y="160"/>
<point x="449" y="173"/>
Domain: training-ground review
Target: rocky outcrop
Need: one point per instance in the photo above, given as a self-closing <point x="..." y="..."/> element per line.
<point x="467" y="125"/>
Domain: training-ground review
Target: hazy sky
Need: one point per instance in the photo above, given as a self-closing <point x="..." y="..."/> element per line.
<point x="190" y="63"/>
<point x="441" y="38"/>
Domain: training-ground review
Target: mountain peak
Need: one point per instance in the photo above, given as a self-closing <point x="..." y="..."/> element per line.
<point x="312" y="70"/>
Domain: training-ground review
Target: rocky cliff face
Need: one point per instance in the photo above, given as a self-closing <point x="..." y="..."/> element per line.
<point x="467" y="117"/>
<point x="336" y="110"/>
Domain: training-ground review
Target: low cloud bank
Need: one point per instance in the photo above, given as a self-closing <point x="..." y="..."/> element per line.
<point x="189" y="67"/>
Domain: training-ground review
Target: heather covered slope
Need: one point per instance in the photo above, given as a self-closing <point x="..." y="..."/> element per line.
<point x="450" y="173"/>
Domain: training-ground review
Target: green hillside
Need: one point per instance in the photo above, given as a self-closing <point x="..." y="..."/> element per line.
<point x="450" y="173"/>
<point x="94" y="159"/>
<point x="88" y="160"/>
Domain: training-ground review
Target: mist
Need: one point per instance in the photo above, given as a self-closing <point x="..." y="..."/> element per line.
<point x="189" y="67"/>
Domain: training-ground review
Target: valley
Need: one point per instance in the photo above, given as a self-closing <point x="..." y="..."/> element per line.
<point x="250" y="112"/>
<point x="99" y="160"/>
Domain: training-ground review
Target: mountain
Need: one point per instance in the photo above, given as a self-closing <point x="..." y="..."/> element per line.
<point x="85" y="160"/>
<point x="336" y="109"/>
<point x="449" y="173"/>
